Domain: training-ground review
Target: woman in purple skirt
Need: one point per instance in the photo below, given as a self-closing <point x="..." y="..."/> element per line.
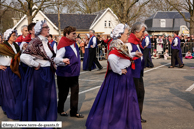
<point x="116" y="105"/>
<point x="39" y="99"/>
<point x="10" y="75"/>
<point x="86" y="55"/>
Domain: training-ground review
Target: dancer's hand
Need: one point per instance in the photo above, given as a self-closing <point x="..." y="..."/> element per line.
<point x="24" y="46"/>
<point x="3" y="67"/>
<point x="66" y="61"/>
<point x="138" y="54"/>
<point x="37" y="68"/>
<point x="124" y="71"/>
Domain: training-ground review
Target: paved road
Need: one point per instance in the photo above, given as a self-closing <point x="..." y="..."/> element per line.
<point x="167" y="103"/>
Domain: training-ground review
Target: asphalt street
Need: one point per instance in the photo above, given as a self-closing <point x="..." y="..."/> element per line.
<point x="169" y="96"/>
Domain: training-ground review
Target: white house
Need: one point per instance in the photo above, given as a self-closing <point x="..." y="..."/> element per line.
<point x="102" y="22"/>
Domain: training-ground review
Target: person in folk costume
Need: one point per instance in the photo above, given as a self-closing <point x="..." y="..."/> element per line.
<point x="116" y="104"/>
<point x="26" y="41"/>
<point x="176" y="57"/>
<point x="52" y="43"/>
<point x="24" y="30"/>
<point x="10" y="74"/>
<point x="39" y="98"/>
<point x="86" y="55"/>
<point x="146" y="44"/>
<point x="68" y="71"/>
<point x="137" y="31"/>
<point x="29" y="37"/>
<point x="92" y="51"/>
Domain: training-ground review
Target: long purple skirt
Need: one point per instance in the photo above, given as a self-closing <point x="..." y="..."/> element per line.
<point x="86" y="60"/>
<point x="116" y="104"/>
<point x="39" y="99"/>
<point x="10" y="92"/>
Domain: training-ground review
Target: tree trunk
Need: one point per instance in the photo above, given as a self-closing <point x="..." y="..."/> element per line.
<point x="191" y="25"/>
<point x="29" y="19"/>
<point x="59" y="23"/>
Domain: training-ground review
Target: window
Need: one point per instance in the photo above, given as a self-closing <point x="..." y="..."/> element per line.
<point x="104" y="23"/>
<point x="109" y="23"/>
<point x="162" y="22"/>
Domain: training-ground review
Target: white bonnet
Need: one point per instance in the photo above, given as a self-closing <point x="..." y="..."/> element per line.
<point x="119" y="29"/>
<point x="8" y="33"/>
<point x="88" y="35"/>
<point x="38" y="27"/>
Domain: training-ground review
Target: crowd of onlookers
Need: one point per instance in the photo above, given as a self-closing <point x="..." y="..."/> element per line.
<point x="161" y="45"/>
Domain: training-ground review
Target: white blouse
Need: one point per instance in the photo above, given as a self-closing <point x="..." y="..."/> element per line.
<point x="33" y="61"/>
<point x="6" y="60"/>
<point x="60" y="54"/>
<point x="118" y="63"/>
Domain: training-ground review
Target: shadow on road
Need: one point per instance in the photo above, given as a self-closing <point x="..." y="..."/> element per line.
<point x="189" y="78"/>
<point x="187" y="96"/>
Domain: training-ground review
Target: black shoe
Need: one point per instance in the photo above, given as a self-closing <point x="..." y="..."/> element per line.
<point x="143" y="121"/>
<point x="170" y="67"/>
<point x="181" y="66"/>
<point x="63" y="114"/>
<point x="100" y="69"/>
<point x="151" y="67"/>
<point x="77" y="115"/>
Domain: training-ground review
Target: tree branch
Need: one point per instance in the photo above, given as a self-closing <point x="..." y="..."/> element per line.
<point x="178" y="10"/>
<point x="136" y="14"/>
<point x="13" y="8"/>
<point x="22" y="5"/>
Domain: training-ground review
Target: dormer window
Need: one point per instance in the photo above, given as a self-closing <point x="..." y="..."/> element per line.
<point x="105" y="24"/>
<point x="162" y="22"/>
<point x="109" y="24"/>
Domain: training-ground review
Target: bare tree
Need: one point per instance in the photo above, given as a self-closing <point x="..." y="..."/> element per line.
<point x="187" y="5"/>
<point x="27" y="7"/>
<point x="87" y="6"/>
<point x="60" y="6"/>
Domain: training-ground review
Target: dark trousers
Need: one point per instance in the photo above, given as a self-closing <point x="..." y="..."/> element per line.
<point x="146" y="57"/>
<point x="92" y="58"/>
<point x="175" y="55"/>
<point x="64" y="83"/>
<point x="140" y="91"/>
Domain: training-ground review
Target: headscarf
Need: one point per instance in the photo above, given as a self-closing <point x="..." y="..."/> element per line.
<point x="8" y="33"/>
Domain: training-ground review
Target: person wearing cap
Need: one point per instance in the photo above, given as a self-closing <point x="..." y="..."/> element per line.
<point x="39" y="98"/>
<point x="137" y="31"/>
<point x="29" y="37"/>
<point x="92" y="51"/>
<point x="52" y="43"/>
<point x="24" y="30"/>
<point x="10" y="75"/>
<point x="68" y="71"/>
<point x="86" y="55"/>
<point x="116" y="104"/>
